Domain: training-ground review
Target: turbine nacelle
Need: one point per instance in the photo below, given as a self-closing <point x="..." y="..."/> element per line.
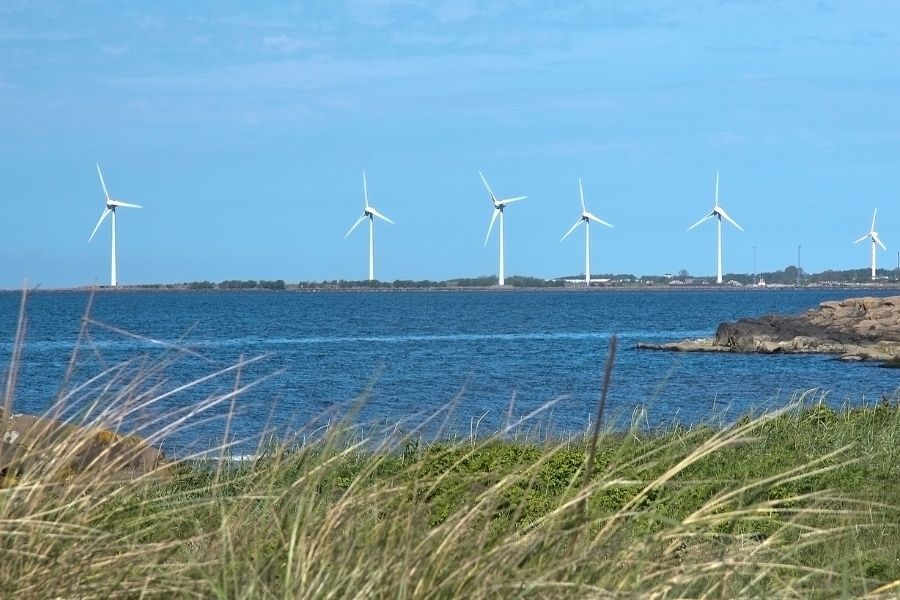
<point x="724" y="215"/>
<point x="875" y="239"/>
<point x="586" y="217"/>
<point x="369" y="211"/>
<point x="873" y="235"/>
<point x="499" y="205"/>
<point x="718" y="212"/>
<point x="111" y="205"/>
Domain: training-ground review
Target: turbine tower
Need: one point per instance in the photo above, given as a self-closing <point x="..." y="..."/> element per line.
<point x="585" y="218"/>
<point x="499" y="205"/>
<point x="370" y="213"/>
<point x="719" y="213"/>
<point x="875" y="240"/>
<point x="111" y="206"/>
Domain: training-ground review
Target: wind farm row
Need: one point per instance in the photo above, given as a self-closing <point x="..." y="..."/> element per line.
<point x="585" y="218"/>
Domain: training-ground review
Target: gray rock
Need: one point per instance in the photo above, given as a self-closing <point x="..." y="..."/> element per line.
<point x="769" y="348"/>
<point x="31" y="443"/>
<point x="856" y="328"/>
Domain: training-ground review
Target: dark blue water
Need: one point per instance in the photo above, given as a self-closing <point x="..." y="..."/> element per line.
<point x="411" y="354"/>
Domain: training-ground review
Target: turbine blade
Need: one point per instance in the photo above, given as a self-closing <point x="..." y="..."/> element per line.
<point x="379" y="215"/>
<point x="717" y="187"/>
<point x="365" y="190"/>
<point x="124" y="204"/>
<point x="581" y="192"/>
<point x="597" y="219"/>
<point x="490" y="191"/>
<point x="862" y="238"/>
<point x="572" y="228"/>
<point x="729" y="219"/>
<point x="355" y="225"/>
<point x="877" y="240"/>
<point x="706" y="218"/>
<point x="491" y="226"/>
<point x="103" y="215"/>
<point x="510" y="200"/>
<point x="874" y="214"/>
<point x="103" y="183"/>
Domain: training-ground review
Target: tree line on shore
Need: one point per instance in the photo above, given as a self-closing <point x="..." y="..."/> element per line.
<point x="786" y="276"/>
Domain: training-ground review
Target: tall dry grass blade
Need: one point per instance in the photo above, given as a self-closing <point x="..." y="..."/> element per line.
<point x="601" y="405"/>
<point x="15" y="360"/>
<point x="718" y="441"/>
<point x="226" y="445"/>
<point x="540" y="409"/>
<point x="595" y="440"/>
<point x="73" y="356"/>
<point x="147" y="339"/>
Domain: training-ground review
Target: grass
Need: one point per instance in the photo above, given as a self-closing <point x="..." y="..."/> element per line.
<point x="799" y="503"/>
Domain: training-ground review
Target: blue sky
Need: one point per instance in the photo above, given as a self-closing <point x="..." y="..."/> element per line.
<point x="243" y="128"/>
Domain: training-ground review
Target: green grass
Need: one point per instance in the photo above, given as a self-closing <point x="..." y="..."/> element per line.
<point x="798" y="504"/>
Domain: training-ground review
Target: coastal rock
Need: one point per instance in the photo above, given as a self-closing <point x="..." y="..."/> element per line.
<point x="30" y="443"/>
<point x="697" y="345"/>
<point x="856" y="328"/>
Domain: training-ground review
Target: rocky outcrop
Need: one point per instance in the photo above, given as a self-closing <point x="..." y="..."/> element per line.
<point x="60" y="451"/>
<point x="855" y="329"/>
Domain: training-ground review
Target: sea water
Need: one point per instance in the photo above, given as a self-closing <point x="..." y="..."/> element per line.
<point x="468" y="359"/>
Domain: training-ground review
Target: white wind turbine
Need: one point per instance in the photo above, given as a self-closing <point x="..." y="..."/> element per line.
<point x="719" y="213"/>
<point x="875" y="240"/>
<point x="370" y="213"/>
<point x="585" y="218"/>
<point x="499" y="205"/>
<point x="111" y="206"/>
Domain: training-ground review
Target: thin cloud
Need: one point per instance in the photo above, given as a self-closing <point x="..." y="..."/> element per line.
<point x="112" y="50"/>
<point x="454" y="11"/>
<point x="378" y="13"/>
<point x="853" y="39"/>
<point x="287" y="44"/>
<point x="14" y="35"/>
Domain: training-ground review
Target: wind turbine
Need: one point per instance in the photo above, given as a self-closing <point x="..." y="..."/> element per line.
<point x="585" y="218"/>
<point x="111" y="206"/>
<point x="499" y="205"/>
<point x="370" y="213"/>
<point x="719" y="213"/>
<point x="875" y="240"/>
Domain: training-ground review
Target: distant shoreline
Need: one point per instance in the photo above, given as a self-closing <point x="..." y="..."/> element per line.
<point x="125" y="289"/>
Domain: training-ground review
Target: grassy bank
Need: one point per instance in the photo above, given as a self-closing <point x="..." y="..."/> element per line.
<point x="798" y="504"/>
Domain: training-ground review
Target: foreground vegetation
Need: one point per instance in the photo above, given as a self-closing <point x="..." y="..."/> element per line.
<point x="803" y="503"/>
<point x="800" y="503"/>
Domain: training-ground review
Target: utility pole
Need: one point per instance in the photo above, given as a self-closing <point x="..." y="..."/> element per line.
<point x="898" y="266"/>
<point x="798" y="264"/>
<point x="754" y="265"/>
